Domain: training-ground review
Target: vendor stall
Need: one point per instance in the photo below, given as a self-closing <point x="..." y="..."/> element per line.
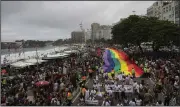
<point x="55" y="56"/>
<point x="22" y="64"/>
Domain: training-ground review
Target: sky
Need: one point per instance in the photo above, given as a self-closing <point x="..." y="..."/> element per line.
<point x="52" y="20"/>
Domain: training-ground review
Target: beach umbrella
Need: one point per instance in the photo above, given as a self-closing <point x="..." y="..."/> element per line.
<point x="3" y="72"/>
<point x="84" y="78"/>
<point x="90" y="70"/>
<point x="42" y="83"/>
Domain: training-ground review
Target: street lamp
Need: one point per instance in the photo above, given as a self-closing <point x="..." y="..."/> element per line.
<point x="134" y="12"/>
<point x="81" y="26"/>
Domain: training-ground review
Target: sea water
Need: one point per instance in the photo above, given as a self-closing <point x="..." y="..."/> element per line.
<point x="13" y="56"/>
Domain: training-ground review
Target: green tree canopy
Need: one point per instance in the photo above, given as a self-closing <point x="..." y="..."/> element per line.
<point x="137" y="29"/>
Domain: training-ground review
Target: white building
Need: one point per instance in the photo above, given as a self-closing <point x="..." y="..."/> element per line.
<point x="165" y="10"/>
<point x="88" y="34"/>
<point x="101" y="32"/>
<point x="94" y="27"/>
<point x="105" y="32"/>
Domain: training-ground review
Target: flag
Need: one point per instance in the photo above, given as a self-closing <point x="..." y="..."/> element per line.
<point x="118" y="60"/>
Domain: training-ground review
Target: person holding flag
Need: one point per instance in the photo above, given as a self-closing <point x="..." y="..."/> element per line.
<point x="133" y="73"/>
<point x="145" y="71"/>
<point x="113" y="74"/>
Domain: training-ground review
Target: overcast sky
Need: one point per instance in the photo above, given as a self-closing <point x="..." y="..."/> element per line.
<point x="51" y="20"/>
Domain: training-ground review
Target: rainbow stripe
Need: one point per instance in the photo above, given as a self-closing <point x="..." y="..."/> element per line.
<point x="119" y="62"/>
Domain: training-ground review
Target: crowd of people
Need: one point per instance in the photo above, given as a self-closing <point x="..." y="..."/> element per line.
<point x="62" y="76"/>
<point x="162" y="90"/>
<point x="165" y="73"/>
<point x="65" y="76"/>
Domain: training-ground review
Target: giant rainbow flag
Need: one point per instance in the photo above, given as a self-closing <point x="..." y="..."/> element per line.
<point x="118" y="61"/>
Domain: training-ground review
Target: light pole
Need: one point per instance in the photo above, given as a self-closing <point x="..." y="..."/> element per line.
<point x="134" y="12"/>
<point x="81" y="26"/>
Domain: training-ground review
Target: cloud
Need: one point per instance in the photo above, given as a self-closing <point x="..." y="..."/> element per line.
<point x="51" y="20"/>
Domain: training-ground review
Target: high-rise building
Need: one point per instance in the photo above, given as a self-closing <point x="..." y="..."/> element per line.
<point x="177" y="12"/>
<point x="105" y="32"/>
<point x="165" y="10"/>
<point x="77" y="37"/>
<point x="94" y="27"/>
<point x="88" y="34"/>
<point x="101" y="32"/>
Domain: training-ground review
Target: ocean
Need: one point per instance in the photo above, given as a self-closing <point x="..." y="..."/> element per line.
<point x="12" y="56"/>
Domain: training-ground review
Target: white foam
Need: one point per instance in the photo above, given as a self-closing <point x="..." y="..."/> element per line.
<point x="29" y="54"/>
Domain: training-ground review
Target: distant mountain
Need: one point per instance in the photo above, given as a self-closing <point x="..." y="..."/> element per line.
<point x="26" y="44"/>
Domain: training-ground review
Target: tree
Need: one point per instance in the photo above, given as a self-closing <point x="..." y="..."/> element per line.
<point x="137" y="29"/>
<point x="133" y="30"/>
<point x="163" y="33"/>
<point x="58" y="42"/>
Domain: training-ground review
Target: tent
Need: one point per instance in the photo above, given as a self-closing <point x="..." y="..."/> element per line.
<point x="35" y="61"/>
<point x="55" y="56"/>
<point x="22" y="64"/>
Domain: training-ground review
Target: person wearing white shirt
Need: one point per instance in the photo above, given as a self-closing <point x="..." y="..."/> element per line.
<point x="159" y="103"/>
<point x="131" y="81"/>
<point x="132" y="103"/>
<point x="96" y="77"/>
<point x="56" y="86"/>
<point x="62" y="86"/>
<point x="140" y="86"/>
<point x="117" y="88"/>
<point x="176" y="85"/>
<point x="93" y="92"/>
<point x="134" y="85"/>
<point x="123" y="92"/>
<point x="99" y="94"/>
<point x="173" y="101"/>
<point x="137" y="88"/>
<point x="138" y="102"/>
<point x="127" y="80"/>
<point x="110" y="92"/>
<point x="120" y="77"/>
<point x="95" y="86"/>
<point x="107" y="87"/>
<point x="106" y="103"/>
<point x="87" y="94"/>
<point x="98" y="86"/>
<point x="177" y="78"/>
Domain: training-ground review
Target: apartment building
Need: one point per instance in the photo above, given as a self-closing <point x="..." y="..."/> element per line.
<point x="77" y="37"/>
<point x="165" y="10"/>
<point x="100" y="31"/>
